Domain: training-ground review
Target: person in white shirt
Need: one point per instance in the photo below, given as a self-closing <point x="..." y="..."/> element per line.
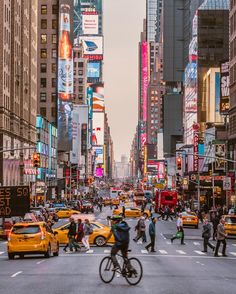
<point x="179" y="229"/>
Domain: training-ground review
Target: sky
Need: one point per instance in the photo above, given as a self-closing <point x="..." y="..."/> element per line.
<point x="123" y="23"/>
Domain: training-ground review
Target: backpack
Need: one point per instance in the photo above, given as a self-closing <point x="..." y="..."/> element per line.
<point x="122" y="234"/>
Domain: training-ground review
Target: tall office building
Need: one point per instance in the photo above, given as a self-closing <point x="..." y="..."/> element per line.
<point x="18" y="84"/>
<point x="47" y="59"/>
<point x="153" y="18"/>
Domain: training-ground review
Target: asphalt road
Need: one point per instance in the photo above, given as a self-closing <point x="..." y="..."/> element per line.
<point x="174" y="268"/>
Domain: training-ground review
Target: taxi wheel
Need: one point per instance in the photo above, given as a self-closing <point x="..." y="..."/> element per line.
<point x="100" y="241"/>
<point x="48" y="253"/>
<point x="11" y="255"/>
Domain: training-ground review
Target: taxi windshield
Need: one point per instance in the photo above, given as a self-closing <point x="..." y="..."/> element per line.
<point x="230" y="220"/>
<point x="26" y="230"/>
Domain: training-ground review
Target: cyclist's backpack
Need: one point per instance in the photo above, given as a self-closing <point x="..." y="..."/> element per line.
<point x="122" y="233"/>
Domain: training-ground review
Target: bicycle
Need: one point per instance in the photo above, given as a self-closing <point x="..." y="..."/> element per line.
<point x="131" y="270"/>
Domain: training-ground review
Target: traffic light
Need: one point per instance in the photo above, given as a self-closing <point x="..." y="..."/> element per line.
<point x="36" y="159"/>
<point x="179" y="163"/>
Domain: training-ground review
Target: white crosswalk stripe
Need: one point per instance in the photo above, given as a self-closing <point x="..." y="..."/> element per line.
<point x="89" y="251"/>
<point x="163" y="251"/>
<point x="196" y="243"/>
<point x="144" y="251"/>
<point x="1" y="252"/>
<point x="180" y="252"/>
<point x="200" y="252"/>
<point x="107" y="251"/>
<point x="233" y="244"/>
<point x="168" y="242"/>
<point x="233" y="253"/>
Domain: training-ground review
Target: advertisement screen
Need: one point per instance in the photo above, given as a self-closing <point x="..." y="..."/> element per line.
<point x="98" y="96"/>
<point x="98" y="129"/>
<point x="93" y="69"/>
<point x="90" y="23"/>
<point x="144" y="87"/>
<point x="99" y="172"/>
<point x="92" y="47"/>
<point x="65" y="75"/>
<point x="99" y="155"/>
<point x="74" y="155"/>
<point x="224" y="88"/>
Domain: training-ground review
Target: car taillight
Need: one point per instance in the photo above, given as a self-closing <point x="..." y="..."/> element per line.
<point x="9" y="237"/>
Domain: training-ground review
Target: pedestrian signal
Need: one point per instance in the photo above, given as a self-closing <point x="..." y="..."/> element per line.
<point x="36" y="159"/>
<point x="179" y="163"/>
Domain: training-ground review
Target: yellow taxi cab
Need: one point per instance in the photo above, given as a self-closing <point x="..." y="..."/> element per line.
<point x="230" y="224"/>
<point x="106" y="201"/>
<point x="32" y="238"/>
<point x="190" y="219"/>
<point x="132" y="212"/>
<point x="98" y="237"/>
<point x="66" y="212"/>
<point x="115" y="201"/>
<point x="123" y="197"/>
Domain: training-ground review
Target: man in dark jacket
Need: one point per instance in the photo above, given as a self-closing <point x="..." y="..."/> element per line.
<point x="206" y="234"/>
<point x="71" y="236"/>
<point x="152" y="234"/>
<point x="221" y="236"/>
<point x="215" y="222"/>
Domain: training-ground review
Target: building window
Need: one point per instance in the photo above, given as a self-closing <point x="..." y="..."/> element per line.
<point x="54" y="39"/>
<point x="53" y="112"/>
<point x="43" y="9"/>
<point x="80" y="89"/>
<point x="54" y="53"/>
<point x="54" y="83"/>
<point x="43" y="111"/>
<point x="54" y="97"/>
<point x="43" y="53"/>
<point x="80" y="81"/>
<point x="80" y="97"/>
<point x="43" y="67"/>
<point x="54" y="24"/>
<point x="43" y="23"/>
<point x="80" y="64"/>
<point x="43" y="83"/>
<point x="80" y="72"/>
<point x="54" y="9"/>
<point x="43" y="38"/>
<point x="54" y="67"/>
<point x="43" y="97"/>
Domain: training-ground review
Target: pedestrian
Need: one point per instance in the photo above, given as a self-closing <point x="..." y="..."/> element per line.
<point x="168" y="213"/>
<point x="80" y="231"/>
<point x="140" y="228"/>
<point x="206" y="235"/>
<point x="161" y="212"/>
<point x="221" y="236"/>
<point x="88" y="230"/>
<point x="152" y="234"/>
<point x="71" y="236"/>
<point x="123" y="211"/>
<point x="215" y="222"/>
<point x="179" y="229"/>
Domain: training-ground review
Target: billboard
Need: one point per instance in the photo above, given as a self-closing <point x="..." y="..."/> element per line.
<point x="92" y="47"/>
<point x="224" y="88"/>
<point x="14" y="201"/>
<point x="99" y="155"/>
<point x="90" y="23"/>
<point x="220" y="154"/>
<point x="98" y="96"/>
<point x="86" y="6"/>
<point x="74" y="154"/>
<point x="98" y="129"/>
<point x="99" y="172"/>
<point x="93" y="69"/>
<point x="65" y="75"/>
<point x="144" y="88"/>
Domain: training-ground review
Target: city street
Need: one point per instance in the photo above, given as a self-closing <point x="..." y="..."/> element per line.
<point x="174" y="268"/>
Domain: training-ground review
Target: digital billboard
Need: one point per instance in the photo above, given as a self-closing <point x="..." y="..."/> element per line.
<point x="98" y="129"/>
<point x="65" y="75"/>
<point x="99" y="172"/>
<point x="90" y="23"/>
<point x="93" y="69"/>
<point x="74" y="155"/>
<point x="92" y="47"/>
<point x="86" y="6"/>
<point x="98" y="96"/>
<point x="144" y="88"/>
<point x="224" y="88"/>
<point x="99" y="155"/>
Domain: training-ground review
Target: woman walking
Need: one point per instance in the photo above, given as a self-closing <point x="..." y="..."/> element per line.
<point x="87" y="230"/>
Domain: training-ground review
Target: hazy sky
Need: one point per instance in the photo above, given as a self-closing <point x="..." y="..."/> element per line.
<point x="123" y="23"/>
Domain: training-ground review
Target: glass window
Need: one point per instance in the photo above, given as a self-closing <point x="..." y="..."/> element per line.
<point x="43" y="23"/>
<point x="80" y="72"/>
<point x="43" y="111"/>
<point x="43" y="9"/>
<point x="43" y="53"/>
<point x="54" y="97"/>
<point x="80" y="89"/>
<point x="54" y="9"/>
<point x="43" y="82"/>
<point x="43" y="67"/>
<point x="54" y="82"/>
<point x="54" y="24"/>
<point x="43" y="97"/>
<point x="32" y="229"/>
<point x="80" y="81"/>
<point x="54" y="53"/>
<point x="53" y="111"/>
<point x="80" y="64"/>
<point x="43" y="38"/>
<point x="54" y="39"/>
<point x="80" y="96"/>
<point x="54" y="67"/>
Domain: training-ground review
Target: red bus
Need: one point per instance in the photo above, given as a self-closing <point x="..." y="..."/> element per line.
<point x="165" y="198"/>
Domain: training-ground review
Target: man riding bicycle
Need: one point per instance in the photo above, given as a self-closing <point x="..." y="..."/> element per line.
<point x="120" y="230"/>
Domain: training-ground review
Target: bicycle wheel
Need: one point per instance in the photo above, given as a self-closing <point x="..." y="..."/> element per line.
<point x="105" y="270"/>
<point x="134" y="275"/>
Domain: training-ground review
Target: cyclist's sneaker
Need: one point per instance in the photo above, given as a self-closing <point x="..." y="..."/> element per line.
<point x="115" y="268"/>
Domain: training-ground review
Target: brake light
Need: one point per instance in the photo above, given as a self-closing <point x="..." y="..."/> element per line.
<point x="9" y="237"/>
